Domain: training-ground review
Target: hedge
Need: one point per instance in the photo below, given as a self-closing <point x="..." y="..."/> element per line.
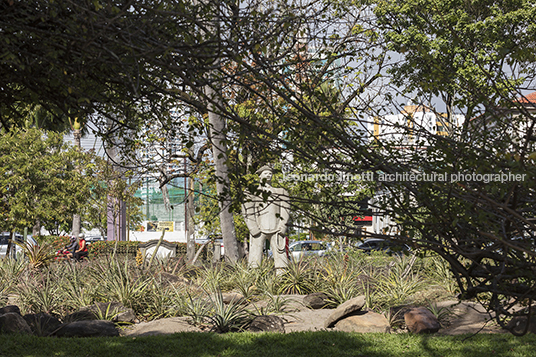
<point x="101" y="248"/>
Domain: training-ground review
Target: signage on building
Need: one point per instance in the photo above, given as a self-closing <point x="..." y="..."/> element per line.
<point x="159" y="226"/>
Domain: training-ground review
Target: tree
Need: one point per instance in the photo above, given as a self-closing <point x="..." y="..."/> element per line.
<point x="281" y="59"/>
<point x="481" y="55"/>
<point x="38" y="180"/>
<point x="109" y="187"/>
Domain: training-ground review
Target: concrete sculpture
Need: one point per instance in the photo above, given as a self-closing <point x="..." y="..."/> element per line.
<point x="266" y="213"/>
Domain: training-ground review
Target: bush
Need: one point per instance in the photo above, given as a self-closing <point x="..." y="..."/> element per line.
<point x="57" y="242"/>
<point x="102" y="248"/>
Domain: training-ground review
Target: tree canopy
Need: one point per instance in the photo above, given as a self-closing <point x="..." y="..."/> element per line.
<point x="302" y="85"/>
<point x="38" y="180"/>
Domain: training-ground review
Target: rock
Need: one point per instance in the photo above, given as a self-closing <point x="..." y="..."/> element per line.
<point x="315" y="300"/>
<point x="113" y="311"/>
<point x="42" y="324"/>
<point x="10" y="308"/>
<point x="421" y="320"/>
<point x="363" y="322"/>
<point x="173" y="279"/>
<point x="93" y="328"/>
<point x="518" y="324"/>
<point x="13" y="322"/>
<point x="267" y="323"/>
<point x="163" y="326"/>
<point x="80" y="315"/>
<point x="345" y="309"/>
<point x="234" y="298"/>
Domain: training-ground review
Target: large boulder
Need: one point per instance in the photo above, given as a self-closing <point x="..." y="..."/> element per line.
<point x="42" y="324"/>
<point x="13" y="322"/>
<point x="518" y="324"/>
<point x="316" y="300"/>
<point x="363" y="322"/>
<point x="10" y="308"/>
<point x="92" y="328"/>
<point x="421" y="320"/>
<point x="113" y="311"/>
<point x="233" y="298"/>
<point x="267" y="323"/>
<point x="345" y="309"/>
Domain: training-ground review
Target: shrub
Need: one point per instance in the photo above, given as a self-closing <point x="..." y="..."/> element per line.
<point x="57" y="242"/>
<point x="102" y="248"/>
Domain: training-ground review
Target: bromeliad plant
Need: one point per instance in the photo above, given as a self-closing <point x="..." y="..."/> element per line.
<point x="398" y="285"/>
<point x="232" y="317"/>
<point x="341" y="279"/>
<point x="122" y="282"/>
<point x="40" y="292"/>
<point x="39" y="255"/>
<point x="300" y="277"/>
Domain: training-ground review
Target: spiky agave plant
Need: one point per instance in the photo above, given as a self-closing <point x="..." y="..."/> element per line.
<point x="230" y="317"/>
<point x="39" y="255"/>
<point x="299" y="277"/>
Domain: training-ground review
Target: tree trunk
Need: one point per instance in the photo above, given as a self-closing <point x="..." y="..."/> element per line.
<point x="36" y="229"/>
<point x="219" y="151"/>
<point x="77" y="221"/>
<point x="190" y="224"/>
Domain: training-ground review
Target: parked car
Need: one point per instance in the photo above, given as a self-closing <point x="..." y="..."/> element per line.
<point x="93" y="239"/>
<point x="303" y="248"/>
<point x="383" y="245"/>
<point x="4" y="240"/>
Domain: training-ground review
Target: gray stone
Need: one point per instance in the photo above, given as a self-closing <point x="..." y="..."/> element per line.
<point x="267" y="323"/>
<point x="518" y="324"/>
<point x="172" y="279"/>
<point x="345" y="309"/>
<point x="363" y="322"/>
<point x="12" y="322"/>
<point x="80" y="315"/>
<point x="93" y="328"/>
<point x="316" y="300"/>
<point x="42" y="324"/>
<point x="164" y="326"/>
<point x="234" y="298"/>
<point x="10" y="308"/>
<point x="421" y="320"/>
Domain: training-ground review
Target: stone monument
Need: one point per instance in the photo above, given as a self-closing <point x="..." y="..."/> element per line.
<point x="266" y="214"/>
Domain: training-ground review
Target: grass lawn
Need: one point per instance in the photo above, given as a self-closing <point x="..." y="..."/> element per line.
<point x="300" y="344"/>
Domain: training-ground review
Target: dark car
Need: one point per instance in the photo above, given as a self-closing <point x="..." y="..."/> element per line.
<point x="383" y="245"/>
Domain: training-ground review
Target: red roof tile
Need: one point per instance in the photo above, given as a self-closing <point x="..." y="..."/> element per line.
<point x="529" y="98"/>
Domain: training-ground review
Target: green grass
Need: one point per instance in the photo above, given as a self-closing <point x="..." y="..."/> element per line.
<point x="306" y="344"/>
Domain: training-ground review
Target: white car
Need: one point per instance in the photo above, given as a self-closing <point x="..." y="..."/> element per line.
<point x="15" y="249"/>
<point x="303" y="248"/>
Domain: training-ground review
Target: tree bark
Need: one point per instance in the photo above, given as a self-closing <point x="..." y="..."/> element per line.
<point x="219" y="151"/>
<point x="190" y="224"/>
<point x="77" y="221"/>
